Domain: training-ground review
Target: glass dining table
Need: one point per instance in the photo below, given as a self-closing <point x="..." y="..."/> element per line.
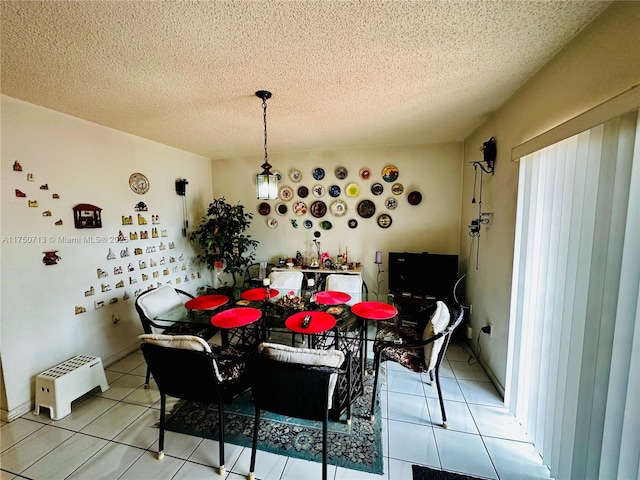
<point x="280" y="319"/>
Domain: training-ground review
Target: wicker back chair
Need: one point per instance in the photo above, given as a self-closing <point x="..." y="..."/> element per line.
<point x="420" y="348"/>
<point x="297" y="382"/>
<point x="183" y="366"/>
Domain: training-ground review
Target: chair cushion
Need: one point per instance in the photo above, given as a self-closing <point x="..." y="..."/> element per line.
<point x="158" y="301"/>
<point x="437" y="324"/>
<point x="305" y="356"/>
<point x="184" y="342"/>
<point x="286" y="280"/>
<point x="411" y="358"/>
<point x="351" y="284"/>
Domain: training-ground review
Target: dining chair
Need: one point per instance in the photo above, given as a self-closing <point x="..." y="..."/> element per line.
<point x="296" y="382"/>
<point x="419" y="348"/>
<point x="285" y="281"/>
<point x="256" y="272"/>
<point x="351" y="284"/>
<point x="184" y="367"/>
<point x="152" y="303"/>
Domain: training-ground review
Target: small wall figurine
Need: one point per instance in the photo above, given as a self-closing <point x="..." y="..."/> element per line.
<point x="124" y="253"/>
<point x="121" y="237"/>
<point x="44" y="187"/>
<point x="58" y="223"/>
<point x="55" y="196"/>
<point x="46" y="213"/>
<point x="33" y="203"/>
<point x="80" y="310"/>
<point x="91" y="291"/>
<point x="127" y="220"/>
<point x="111" y="255"/>
<point x="141" y="220"/>
<point x="140" y="207"/>
<point x="17" y="167"/>
<point x="51" y="258"/>
<point x="29" y="177"/>
<point x="20" y="194"/>
<point x="120" y="284"/>
<point x="87" y="216"/>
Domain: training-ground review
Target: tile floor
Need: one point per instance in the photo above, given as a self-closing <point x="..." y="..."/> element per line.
<point x="110" y="435"/>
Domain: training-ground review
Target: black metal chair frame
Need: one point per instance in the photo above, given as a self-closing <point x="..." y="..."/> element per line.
<point x="200" y="330"/>
<point x="297" y="390"/>
<point x="190" y="375"/>
<point x="456" y="315"/>
<point x="251" y="281"/>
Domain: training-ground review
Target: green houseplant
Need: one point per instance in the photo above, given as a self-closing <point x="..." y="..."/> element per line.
<point x="221" y="238"/>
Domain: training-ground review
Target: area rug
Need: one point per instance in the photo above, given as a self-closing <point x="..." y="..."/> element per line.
<point x="426" y="473"/>
<point x="357" y="446"/>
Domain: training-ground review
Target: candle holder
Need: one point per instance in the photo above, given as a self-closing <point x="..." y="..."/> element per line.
<point x="378" y="262"/>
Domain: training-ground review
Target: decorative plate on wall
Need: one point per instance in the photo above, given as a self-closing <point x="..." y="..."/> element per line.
<point x="318" y="209"/>
<point x="139" y="183"/>
<point x="353" y="223"/>
<point x="334" y="191"/>
<point x="300" y="208"/>
<point x="264" y="208"/>
<point x="365" y="173"/>
<point x="295" y="175"/>
<point x="377" y="188"/>
<point x="352" y="190"/>
<point x="318" y="191"/>
<point x="308" y="224"/>
<point x="338" y="208"/>
<point x="272" y="222"/>
<point x="341" y="173"/>
<point x="286" y="193"/>
<point x="414" y="198"/>
<point x="282" y="209"/>
<point x="391" y="203"/>
<point x="397" y="188"/>
<point x="390" y="173"/>
<point x="366" y="208"/>
<point x="384" y="220"/>
<point x="318" y="173"/>
<point x="303" y="192"/>
<point x="325" y="225"/>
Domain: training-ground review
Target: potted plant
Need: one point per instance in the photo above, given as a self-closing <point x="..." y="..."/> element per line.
<point x="221" y="238"/>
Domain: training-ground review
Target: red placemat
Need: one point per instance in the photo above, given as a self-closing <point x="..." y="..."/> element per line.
<point x="330" y="297"/>
<point x="320" y="322"/>
<point x="236" y="317"/>
<point x="206" y="302"/>
<point x="374" y="310"/>
<point x="257" y="294"/>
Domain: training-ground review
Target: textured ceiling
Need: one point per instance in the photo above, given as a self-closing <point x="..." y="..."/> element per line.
<point x="342" y="73"/>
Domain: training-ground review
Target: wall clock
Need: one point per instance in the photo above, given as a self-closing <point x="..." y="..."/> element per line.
<point x="139" y="183"/>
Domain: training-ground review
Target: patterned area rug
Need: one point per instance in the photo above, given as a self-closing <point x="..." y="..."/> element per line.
<point x="426" y="473"/>
<point x="356" y="446"/>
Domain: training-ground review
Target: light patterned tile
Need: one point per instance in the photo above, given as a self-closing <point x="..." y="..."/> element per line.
<point x="464" y="453"/>
<point x="413" y="443"/>
<point x="65" y="458"/>
<point x="109" y="463"/>
<point x="516" y="460"/>
<point x="28" y="451"/>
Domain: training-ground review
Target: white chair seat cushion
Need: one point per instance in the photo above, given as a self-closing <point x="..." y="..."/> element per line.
<point x="346" y="283"/>
<point x="286" y="281"/>
<point x="159" y="301"/>
<point x="437" y="324"/>
<point x="305" y="356"/>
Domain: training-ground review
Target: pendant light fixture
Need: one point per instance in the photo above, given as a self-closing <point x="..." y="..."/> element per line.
<point x="266" y="182"/>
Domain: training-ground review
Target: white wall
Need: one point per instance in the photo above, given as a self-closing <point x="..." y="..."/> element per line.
<point x="601" y="62"/>
<point x="433" y="225"/>
<point x="83" y="163"/>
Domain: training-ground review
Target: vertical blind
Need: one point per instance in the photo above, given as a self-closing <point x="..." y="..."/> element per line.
<point x="575" y="328"/>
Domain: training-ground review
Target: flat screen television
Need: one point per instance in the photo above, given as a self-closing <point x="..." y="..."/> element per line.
<point x="425" y="274"/>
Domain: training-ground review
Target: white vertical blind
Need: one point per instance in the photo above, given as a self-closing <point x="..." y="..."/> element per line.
<point x="574" y="314"/>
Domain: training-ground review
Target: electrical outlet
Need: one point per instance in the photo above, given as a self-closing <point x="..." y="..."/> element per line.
<point x="490" y="330"/>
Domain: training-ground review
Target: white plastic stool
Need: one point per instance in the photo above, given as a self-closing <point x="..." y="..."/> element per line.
<point x="57" y="387"/>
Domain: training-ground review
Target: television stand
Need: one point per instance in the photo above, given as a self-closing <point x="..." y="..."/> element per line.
<point x="409" y="304"/>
